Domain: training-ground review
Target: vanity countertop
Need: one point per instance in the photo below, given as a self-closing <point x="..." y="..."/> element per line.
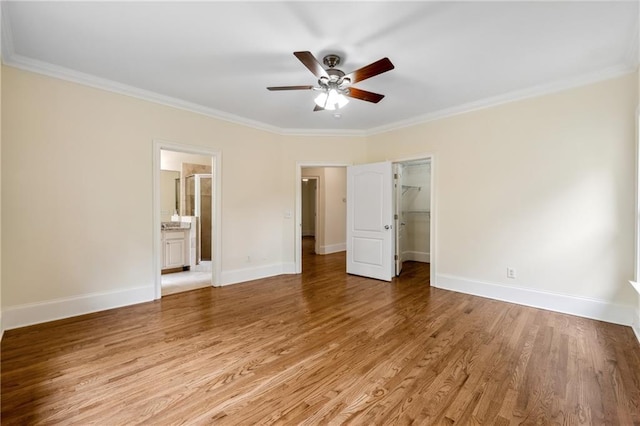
<point x="175" y="226"/>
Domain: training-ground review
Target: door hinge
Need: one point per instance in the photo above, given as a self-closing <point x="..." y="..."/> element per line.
<point x="395" y="216"/>
<point x="396" y="257"/>
<point x="395" y="176"/>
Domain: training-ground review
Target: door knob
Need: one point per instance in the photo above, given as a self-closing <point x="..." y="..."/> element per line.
<point x="387" y="227"/>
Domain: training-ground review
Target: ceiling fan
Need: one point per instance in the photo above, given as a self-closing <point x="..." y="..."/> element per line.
<point x="334" y="85"/>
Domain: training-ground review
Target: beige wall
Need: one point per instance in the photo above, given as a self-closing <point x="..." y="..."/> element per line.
<point x="1" y="327"/>
<point x="637" y="319"/>
<point x="543" y="185"/>
<point x="79" y="192"/>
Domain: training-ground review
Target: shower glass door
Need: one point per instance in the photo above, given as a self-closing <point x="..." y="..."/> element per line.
<point x="198" y="191"/>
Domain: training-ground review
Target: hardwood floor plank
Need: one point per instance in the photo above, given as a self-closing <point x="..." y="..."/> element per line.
<point x="323" y="347"/>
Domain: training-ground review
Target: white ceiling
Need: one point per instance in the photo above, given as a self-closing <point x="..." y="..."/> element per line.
<point x="218" y="57"/>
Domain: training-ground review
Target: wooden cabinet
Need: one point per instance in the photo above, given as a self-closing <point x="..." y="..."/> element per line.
<point x="175" y="253"/>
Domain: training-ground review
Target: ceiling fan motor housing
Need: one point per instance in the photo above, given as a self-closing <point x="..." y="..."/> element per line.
<point x="331" y="60"/>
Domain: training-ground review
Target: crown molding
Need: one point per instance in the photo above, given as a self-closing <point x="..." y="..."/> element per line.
<point x="517" y="95"/>
<point x="323" y="132"/>
<point x="17" y="61"/>
<point x="62" y="73"/>
<point x="55" y="71"/>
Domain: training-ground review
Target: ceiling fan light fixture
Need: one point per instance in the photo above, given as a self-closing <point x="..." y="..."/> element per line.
<point x="321" y="99"/>
<point x="331" y="100"/>
<point x="334" y="85"/>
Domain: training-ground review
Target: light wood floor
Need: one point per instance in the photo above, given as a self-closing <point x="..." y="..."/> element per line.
<point x="322" y="348"/>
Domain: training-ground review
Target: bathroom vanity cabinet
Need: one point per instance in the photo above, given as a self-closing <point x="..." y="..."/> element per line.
<point x="175" y="248"/>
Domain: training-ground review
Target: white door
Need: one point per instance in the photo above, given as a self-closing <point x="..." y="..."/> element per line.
<point x="370" y="234"/>
<point x="400" y="228"/>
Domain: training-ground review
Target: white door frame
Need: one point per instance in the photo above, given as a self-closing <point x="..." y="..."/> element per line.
<point x="298" y="215"/>
<point x="398" y="170"/>
<point x="216" y="209"/>
<point x="433" y="215"/>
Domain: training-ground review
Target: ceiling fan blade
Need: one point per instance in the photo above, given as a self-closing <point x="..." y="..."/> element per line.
<point x="312" y="63"/>
<point x="364" y="95"/>
<point x="290" y="88"/>
<point x="318" y="108"/>
<point x="371" y="70"/>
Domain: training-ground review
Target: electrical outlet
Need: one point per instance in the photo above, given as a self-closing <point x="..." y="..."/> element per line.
<point x="511" y="272"/>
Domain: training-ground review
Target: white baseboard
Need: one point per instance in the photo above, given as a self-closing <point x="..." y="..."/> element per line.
<point x="636" y="325"/>
<point x="636" y="319"/>
<point x="332" y="248"/>
<point x="36" y="313"/>
<point x="236" y="276"/>
<point x="416" y="256"/>
<point x="580" y="306"/>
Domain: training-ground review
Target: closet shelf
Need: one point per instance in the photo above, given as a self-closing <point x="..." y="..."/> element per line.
<point x="405" y="188"/>
<point x="417" y="211"/>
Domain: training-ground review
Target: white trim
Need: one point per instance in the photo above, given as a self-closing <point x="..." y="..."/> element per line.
<point x="36" y="313"/>
<point x="298" y="215"/>
<point x="62" y="73"/>
<point x="332" y="248"/>
<point x="636" y="325"/>
<point x="517" y="95"/>
<point x="236" y="276"/>
<point x="601" y="310"/>
<point x="416" y="256"/>
<point x="216" y="226"/>
<point x="40" y="67"/>
<point x="636" y="318"/>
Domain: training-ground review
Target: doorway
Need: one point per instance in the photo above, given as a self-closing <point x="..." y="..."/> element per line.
<point x="377" y="213"/>
<point x="330" y="208"/>
<point x="309" y="218"/>
<point x="412" y="186"/>
<point x="186" y="188"/>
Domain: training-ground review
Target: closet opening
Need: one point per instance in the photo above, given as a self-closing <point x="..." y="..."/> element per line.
<point x="412" y="213"/>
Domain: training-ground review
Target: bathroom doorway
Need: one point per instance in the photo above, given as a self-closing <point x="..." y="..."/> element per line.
<point x="187" y="204"/>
